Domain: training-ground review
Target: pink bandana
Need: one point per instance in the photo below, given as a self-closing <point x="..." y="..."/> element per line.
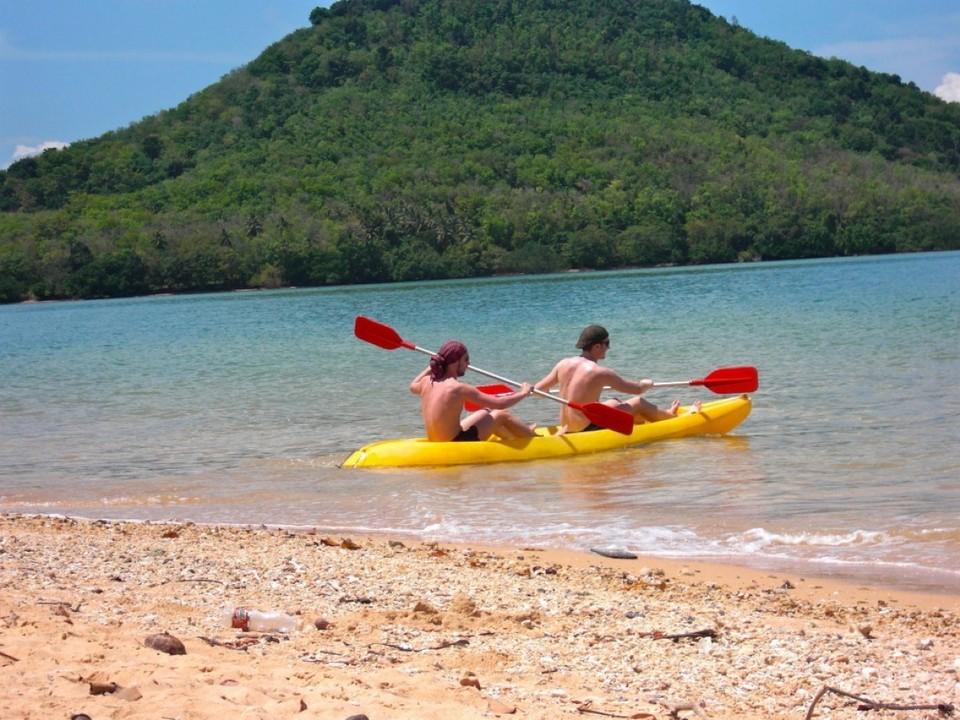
<point x="450" y="353"/>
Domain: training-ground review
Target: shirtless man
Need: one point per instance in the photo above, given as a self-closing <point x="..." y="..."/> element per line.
<point x="442" y="396"/>
<point x="582" y="380"/>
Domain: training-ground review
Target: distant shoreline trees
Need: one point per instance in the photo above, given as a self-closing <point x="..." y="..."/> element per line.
<point x="422" y="139"/>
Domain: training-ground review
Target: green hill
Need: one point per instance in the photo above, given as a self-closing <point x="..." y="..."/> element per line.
<point x="411" y="139"/>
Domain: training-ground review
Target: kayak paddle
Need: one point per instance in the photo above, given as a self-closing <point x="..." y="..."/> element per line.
<point x="387" y="338"/>
<point x="730" y="380"/>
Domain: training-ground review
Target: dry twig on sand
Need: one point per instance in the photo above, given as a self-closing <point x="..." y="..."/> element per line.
<point x="944" y="709"/>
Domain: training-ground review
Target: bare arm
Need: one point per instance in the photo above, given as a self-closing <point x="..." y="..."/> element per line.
<point x="626" y="386"/>
<point x="552" y="378"/>
<point x="417" y="384"/>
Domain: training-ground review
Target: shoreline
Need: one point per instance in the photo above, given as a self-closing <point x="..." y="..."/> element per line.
<point x="412" y="630"/>
<point x="921" y="582"/>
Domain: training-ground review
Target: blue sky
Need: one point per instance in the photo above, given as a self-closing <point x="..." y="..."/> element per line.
<point x="75" y="69"/>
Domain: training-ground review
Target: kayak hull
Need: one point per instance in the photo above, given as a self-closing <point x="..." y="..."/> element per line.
<point x="715" y="418"/>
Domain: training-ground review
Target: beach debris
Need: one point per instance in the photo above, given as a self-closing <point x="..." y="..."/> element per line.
<point x="696" y="634"/>
<point x="616" y="552"/>
<point x="61" y="604"/>
<point x="470" y="680"/>
<point x="314" y="659"/>
<point x="461" y="642"/>
<point x="943" y="709"/>
<point x="499" y="708"/>
<point x="345" y="543"/>
<point x="584" y="708"/>
<point x="11" y="658"/>
<point x="165" y="642"/>
<point x="675" y="710"/>
<point x="358" y="600"/>
<point x="242" y="643"/>
<point x="130" y="694"/>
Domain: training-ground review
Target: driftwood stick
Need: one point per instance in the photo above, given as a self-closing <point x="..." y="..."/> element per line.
<point x="241" y="646"/>
<point x="407" y="648"/>
<point x="659" y="635"/>
<point x="696" y="634"/>
<point x="585" y="708"/>
<point x="61" y="603"/>
<point x="944" y="709"/>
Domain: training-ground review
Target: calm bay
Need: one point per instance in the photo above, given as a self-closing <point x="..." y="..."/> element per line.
<point x="239" y="408"/>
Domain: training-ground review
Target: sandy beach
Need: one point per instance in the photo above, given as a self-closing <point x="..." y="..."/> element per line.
<point x="407" y="630"/>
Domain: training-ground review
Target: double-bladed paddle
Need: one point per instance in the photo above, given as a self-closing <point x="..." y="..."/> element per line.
<point x="729" y="380"/>
<point x="387" y="338"/>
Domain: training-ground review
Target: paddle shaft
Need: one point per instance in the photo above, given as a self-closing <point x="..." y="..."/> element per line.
<point x="492" y="376"/>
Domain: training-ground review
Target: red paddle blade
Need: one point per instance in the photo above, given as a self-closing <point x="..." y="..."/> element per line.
<point x="498" y="390"/>
<point x="606" y="416"/>
<point x="597" y="413"/>
<point x="741" y="379"/>
<point x="377" y="333"/>
<point x="495" y="389"/>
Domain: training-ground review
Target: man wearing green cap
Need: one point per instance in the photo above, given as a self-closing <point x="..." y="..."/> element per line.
<point x="582" y="379"/>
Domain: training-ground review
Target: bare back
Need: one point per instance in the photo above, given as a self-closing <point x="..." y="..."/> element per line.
<point x="441" y="404"/>
<point x="581" y="380"/>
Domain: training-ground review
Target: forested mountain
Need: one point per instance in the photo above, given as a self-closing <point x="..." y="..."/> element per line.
<point x="408" y="139"/>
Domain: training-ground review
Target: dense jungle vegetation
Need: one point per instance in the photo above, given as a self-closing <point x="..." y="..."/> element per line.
<point x="414" y="139"/>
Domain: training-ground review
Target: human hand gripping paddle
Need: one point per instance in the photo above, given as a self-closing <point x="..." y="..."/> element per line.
<point x="728" y="380"/>
<point x="387" y="338"/>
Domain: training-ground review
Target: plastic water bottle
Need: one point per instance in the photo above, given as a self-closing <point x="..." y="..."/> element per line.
<point x="244" y="619"/>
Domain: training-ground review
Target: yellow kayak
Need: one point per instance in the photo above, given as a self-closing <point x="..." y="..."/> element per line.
<point x="715" y="418"/>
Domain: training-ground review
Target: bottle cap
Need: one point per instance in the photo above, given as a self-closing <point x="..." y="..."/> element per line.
<point x="241" y="619"/>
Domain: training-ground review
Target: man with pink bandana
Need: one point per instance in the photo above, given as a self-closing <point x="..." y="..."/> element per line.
<point x="442" y="396"/>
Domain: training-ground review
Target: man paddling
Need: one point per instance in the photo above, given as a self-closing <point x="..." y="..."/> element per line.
<point x="582" y="380"/>
<point x="442" y="396"/>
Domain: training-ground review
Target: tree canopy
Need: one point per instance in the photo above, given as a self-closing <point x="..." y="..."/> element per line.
<point x="418" y="139"/>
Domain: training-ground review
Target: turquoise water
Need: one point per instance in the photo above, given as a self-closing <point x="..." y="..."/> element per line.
<point x="238" y="408"/>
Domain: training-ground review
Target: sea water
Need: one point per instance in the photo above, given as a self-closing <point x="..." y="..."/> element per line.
<point x="240" y="407"/>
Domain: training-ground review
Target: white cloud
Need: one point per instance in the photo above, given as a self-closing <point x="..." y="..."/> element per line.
<point x="25" y="151"/>
<point x="949" y="88"/>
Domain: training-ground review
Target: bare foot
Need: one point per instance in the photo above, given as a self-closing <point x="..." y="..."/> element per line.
<point x="692" y="410"/>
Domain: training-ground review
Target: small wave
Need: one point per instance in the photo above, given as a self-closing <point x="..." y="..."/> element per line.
<point x="757" y="539"/>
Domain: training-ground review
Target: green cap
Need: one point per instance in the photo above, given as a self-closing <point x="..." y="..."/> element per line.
<point x="592" y="334"/>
